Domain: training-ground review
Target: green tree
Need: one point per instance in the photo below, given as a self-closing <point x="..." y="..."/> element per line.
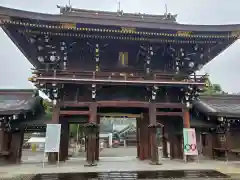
<point x="47" y="106"/>
<point x="211" y="89"/>
<point x="74" y="128"/>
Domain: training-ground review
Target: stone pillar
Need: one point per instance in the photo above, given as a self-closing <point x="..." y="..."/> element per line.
<point x="63" y="156"/>
<point x="153" y="134"/>
<point x="15" y="151"/>
<point x="52" y="157"/>
<point x="91" y="132"/>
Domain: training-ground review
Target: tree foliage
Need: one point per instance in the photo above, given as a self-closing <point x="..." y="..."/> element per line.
<point x="47" y="106"/>
<point x="73" y="127"/>
<point x="211" y="89"/>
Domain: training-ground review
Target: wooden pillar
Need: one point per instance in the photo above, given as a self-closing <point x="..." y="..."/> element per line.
<point x="52" y="157"/>
<point x="91" y="135"/>
<point x="97" y="139"/>
<point x="173" y="146"/>
<point x="138" y="136"/>
<point x="4" y="140"/>
<point x="186" y="124"/>
<point x="186" y="118"/>
<point x="153" y="134"/>
<point x="64" y="142"/>
<point x="164" y="144"/>
<point x="16" y="147"/>
<point x="143" y="137"/>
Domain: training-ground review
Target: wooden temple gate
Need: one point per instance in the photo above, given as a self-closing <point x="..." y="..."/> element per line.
<point x="147" y="125"/>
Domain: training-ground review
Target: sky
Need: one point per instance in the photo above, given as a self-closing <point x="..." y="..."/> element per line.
<point x="224" y="69"/>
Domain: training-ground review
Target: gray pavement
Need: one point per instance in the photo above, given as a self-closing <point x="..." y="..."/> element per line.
<point x="115" y="159"/>
<point x="119" y="152"/>
<point x="37" y="157"/>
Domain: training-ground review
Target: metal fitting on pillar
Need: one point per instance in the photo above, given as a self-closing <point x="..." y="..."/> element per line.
<point x="148" y="59"/>
<point x="54" y="94"/>
<point x="63" y="49"/>
<point x="154" y="93"/>
<point x="97" y="57"/>
<point x="177" y="64"/>
<point x="188" y="97"/>
<point x="94" y="91"/>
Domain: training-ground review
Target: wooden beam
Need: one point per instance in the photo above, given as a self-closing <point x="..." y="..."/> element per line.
<point x="140" y="104"/>
<point x="66" y="112"/>
<point x="119" y="115"/>
<point x="115" y="82"/>
<point x="169" y="113"/>
<point x="169" y="105"/>
<point x="123" y="104"/>
<point x="75" y="104"/>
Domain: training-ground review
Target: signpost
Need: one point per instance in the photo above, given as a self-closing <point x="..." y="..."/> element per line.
<point x="189" y="142"/>
<point x="52" y="142"/>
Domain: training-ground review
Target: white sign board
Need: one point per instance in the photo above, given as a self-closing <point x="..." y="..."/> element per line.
<point x="190" y="142"/>
<point x="52" y="142"/>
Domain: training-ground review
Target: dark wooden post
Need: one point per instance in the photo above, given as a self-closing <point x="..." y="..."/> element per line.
<point x="138" y="137"/>
<point x="15" y="153"/>
<point x="64" y="142"/>
<point x="52" y="157"/>
<point x="186" y="118"/>
<point x="164" y="144"/>
<point x="153" y="134"/>
<point x="4" y="139"/>
<point x="143" y="137"/>
<point x="91" y="131"/>
<point x="186" y="124"/>
<point x="97" y="139"/>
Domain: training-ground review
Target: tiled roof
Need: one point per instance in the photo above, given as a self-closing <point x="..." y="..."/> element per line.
<point x="220" y="105"/>
<point x="38" y="121"/>
<point x="198" y="122"/>
<point x="16" y="101"/>
<point x="69" y="11"/>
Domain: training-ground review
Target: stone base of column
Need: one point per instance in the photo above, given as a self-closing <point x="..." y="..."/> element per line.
<point x="52" y="158"/>
<point x="155" y="163"/>
<point x="90" y="165"/>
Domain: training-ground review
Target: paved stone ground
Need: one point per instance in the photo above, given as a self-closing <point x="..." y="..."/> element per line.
<point x="116" y="159"/>
<point x="28" y="156"/>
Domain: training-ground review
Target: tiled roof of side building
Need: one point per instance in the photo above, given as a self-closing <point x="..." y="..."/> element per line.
<point x="16" y="101"/>
<point x="219" y="105"/>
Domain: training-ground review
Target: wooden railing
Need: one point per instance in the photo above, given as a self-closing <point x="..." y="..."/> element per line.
<point x="157" y="76"/>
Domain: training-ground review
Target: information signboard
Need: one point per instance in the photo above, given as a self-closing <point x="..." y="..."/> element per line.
<point x="190" y="142"/>
<point x="52" y="142"/>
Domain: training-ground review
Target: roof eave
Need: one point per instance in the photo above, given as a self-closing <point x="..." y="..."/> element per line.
<point x="128" y="23"/>
<point x="11" y="112"/>
<point x="6" y="31"/>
